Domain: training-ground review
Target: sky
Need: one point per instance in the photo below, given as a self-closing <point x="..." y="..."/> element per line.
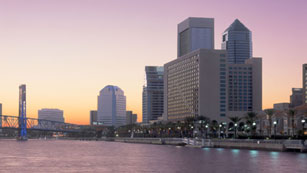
<point x="66" y="51"/>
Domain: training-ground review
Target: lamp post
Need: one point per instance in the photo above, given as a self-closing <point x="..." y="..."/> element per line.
<point x="220" y="126"/>
<point x="236" y="130"/>
<point x="303" y="122"/>
<point x="201" y="127"/>
<point x="206" y="130"/>
<point x="254" y="128"/>
<point x="275" y="123"/>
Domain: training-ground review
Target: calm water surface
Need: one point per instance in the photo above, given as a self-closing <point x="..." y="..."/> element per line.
<point x="98" y="156"/>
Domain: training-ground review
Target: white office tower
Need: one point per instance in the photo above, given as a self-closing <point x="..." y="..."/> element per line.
<point x="51" y="115"/>
<point x="112" y="106"/>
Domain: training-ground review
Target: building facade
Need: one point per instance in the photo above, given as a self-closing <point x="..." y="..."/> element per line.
<point x="131" y="118"/>
<point x="237" y="40"/>
<point x="93" y="118"/>
<point x="51" y="115"/>
<point x="305" y="83"/>
<point x="111" y="106"/>
<point x="211" y="83"/>
<point x="0" y="115"/>
<point x="195" y="33"/>
<point x="244" y="87"/>
<point x="153" y="93"/>
<point x="281" y="106"/>
<point x="195" y="85"/>
<point x="296" y="99"/>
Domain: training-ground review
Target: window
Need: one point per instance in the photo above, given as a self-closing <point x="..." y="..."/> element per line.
<point x="224" y="37"/>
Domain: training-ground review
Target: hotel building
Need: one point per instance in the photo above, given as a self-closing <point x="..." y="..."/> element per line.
<point x="207" y="82"/>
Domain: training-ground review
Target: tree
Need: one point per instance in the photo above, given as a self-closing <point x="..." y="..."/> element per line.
<point x="260" y="117"/>
<point x="235" y="120"/>
<point x="250" y="119"/>
<point x="270" y="113"/>
<point x="189" y="122"/>
<point x="203" y="121"/>
<point x="291" y="114"/>
<point x="214" y="126"/>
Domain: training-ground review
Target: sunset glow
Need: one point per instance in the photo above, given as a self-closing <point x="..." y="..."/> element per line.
<point x="66" y="51"/>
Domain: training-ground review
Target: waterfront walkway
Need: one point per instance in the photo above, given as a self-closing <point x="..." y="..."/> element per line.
<point x="272" y="145"/>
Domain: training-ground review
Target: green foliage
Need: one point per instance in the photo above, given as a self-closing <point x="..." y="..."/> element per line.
<point x="235" y="119"/>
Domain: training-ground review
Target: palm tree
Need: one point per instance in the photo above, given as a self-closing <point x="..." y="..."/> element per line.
<point x="235" y="120"/>
<point x="189" y="122"/>
<point x="203" y="122"/>
<point x="261" y="117"/>
<point x="291" y="114"/>
<point x="214" y="126"/>
<point x="250" y="119"/>
<point x="270" y="113"/>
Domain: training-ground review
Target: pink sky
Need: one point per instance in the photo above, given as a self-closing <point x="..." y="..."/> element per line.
<point x="67" y="50"/>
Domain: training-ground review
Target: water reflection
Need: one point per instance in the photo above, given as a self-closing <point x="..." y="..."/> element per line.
<point x="220" y="149"/>
<point x="274" y="154"/>
<point x="253" y="153"/>
<point x="235" y="152"/>
<point x="302" y="156"/>
<point x="78" y="156"/>
<point x="206" y="149"/>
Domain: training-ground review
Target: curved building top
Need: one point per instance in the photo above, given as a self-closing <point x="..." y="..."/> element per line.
<point x="112" y="89"/>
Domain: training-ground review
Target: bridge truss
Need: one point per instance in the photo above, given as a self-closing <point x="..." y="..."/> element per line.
<point x="13" y="122"/>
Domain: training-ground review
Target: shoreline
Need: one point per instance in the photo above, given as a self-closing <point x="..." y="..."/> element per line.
<point x="248" y="144"/>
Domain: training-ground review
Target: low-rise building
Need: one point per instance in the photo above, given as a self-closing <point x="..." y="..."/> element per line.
<point x="296" y="99"/>
<point x="130" y="117"/>
<point x="93" y="118"/>
<point x="51" y="115"/>
<point x="281" y="106"/>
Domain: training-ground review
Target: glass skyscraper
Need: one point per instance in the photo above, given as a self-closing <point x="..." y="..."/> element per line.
<point x="195" y="33"/>
<point x="153" y="93"/>
<point x="237" y="40"/>
<point x="244" y="71"/>
<point x="305" y="82"/>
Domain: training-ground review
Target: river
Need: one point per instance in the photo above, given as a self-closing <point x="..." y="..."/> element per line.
<point x="99" y="156"/>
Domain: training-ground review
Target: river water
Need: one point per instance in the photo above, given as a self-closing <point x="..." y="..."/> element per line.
<point x="99" y="156"/>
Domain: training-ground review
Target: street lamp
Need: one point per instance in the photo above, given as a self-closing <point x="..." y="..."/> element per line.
<point x="236" y="130"/>
<point x="275" y="123"/>
<point x="201" y="127"/>
<point x="206" y="130"/>
<point x="303" y="122"/>
<point x="220" y="126"/>
<point x="253" y="130"/>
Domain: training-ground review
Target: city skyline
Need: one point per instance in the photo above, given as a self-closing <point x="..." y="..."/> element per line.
<point x="66" y="52"/>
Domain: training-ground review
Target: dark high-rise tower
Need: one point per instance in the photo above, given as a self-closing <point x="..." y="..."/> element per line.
<point x="195" y="33"/>
<point x="237" y="40"/>
<point x="153" y="93"/>
<point x="305" y="83"/>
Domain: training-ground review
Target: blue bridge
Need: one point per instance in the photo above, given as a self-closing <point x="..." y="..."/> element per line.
<point x="22" y="124"/>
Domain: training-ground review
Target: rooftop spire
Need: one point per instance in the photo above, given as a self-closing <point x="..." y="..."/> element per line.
<point x="237" y="26"/>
